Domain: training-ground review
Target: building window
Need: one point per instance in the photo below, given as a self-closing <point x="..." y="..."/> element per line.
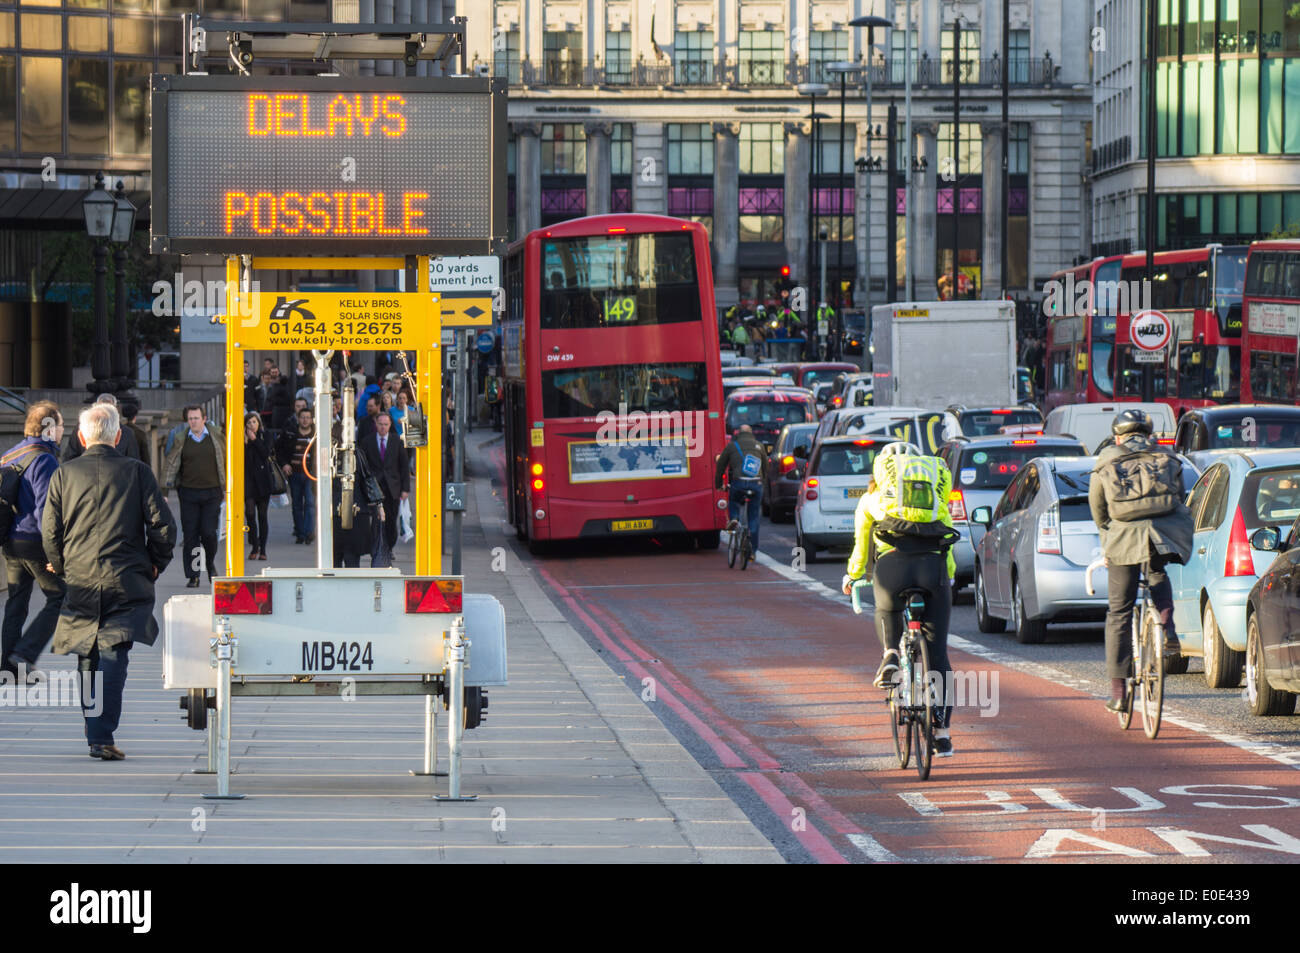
<point x="762" y="57"/>
<point x="970" y="55"/>
<point x="762" y="214"/>
<point x="692" y="202"/>
<point x="41" y="99"/>
<point x="88" y="107"/>
<point x="1018" y="149"/>
<point x="618" y="57"/>
<point x="832" y="150"/>
<point x="762" y="148"/>
<point x="690" y="149"/>
<point x="898" y="51"/>
<point x="970" y="157"/>
<point x="833" y="208"/>
<point x="564" y="149"/>
<point x="693" y="57"/>
<point x="620" y="149"/>
<point x="562" y="58"/>
<point x="561" y="204"/>
<point x="1018" y="55"/>
<point x="826" y="47"/>
<point x="505" y="55"/>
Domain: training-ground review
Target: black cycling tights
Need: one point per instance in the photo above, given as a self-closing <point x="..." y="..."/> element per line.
<point x="894" y="574"/>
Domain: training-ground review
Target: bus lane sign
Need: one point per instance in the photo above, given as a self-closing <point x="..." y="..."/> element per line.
<point x="355" y="322"/>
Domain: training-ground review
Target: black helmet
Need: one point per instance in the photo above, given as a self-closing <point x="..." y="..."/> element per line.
<point x="1131" y="421"/>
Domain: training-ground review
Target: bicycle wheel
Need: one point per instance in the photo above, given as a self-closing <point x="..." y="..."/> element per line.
<point x="901" y="726"/>
<point x="1152" y="674"/>
<point x="1131" y="683"/>
<point x="746" y="552"/>
<point x="923" y="706"/>
<point x="733" y="548"/>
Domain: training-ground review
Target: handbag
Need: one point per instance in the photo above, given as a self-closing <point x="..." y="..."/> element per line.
<point x="278" y="483"/>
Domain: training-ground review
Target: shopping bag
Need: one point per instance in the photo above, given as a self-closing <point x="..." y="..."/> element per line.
<point x="405" y="523"/>
<point x="281" y="500"/>
<point x="221" y="522"/>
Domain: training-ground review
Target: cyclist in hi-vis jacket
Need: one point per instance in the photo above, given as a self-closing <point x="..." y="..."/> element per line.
<point x="902" y="531"/>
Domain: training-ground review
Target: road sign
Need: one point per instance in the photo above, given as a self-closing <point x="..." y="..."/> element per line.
<point x="466" y="310"/>
<point x="305" y="164"/>
<point x="478" y="273"/>
<point x="485" y="342"/>
<point x="1150" y="330"/>
<point x="355" y="322"/>
<point x="1149" y="357"/>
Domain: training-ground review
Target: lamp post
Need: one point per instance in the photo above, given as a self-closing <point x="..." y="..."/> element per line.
<point x="100" y="210"/>
<point x="123" y="228"/>
<point x="811" y="90"/>
<point x="870" y="22"/>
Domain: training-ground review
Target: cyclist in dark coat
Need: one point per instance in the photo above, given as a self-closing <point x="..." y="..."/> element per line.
<point x="745" y="463"/>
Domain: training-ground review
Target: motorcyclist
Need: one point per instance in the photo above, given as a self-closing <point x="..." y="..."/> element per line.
<point x="903" y="532"/>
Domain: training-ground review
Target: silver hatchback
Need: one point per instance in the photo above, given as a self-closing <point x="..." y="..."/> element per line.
<point x="1029" y="565"/>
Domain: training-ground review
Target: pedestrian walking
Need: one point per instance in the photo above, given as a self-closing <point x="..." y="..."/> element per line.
<point x="126" y="446"/>
<point x="386" y="458"/>
<point x="260" y="482"/>
<point x="108" y="533"/>
<point x="129" y="411"/>
<point x="25" y="564"/>
<point x="296" y="456"/>
<point x="196" y="468"/>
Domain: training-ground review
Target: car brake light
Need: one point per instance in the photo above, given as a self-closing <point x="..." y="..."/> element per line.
<point x="838" y="401"/>
<point x="616" y="230"/>
<point x="1239" y="562"/>
<point x="1049" y="530"/>
<point x="1165" y="441"/>
<point x="1004" y="410"/>
<point x="433" y="595"/>
<point x="864" y="443"/>
<point x="1024" y="443"/>
<point x="957" y="506"/>
<point x="809" y="488"/>
<point x="787" y="464"/>
<point x="241" y="597"/>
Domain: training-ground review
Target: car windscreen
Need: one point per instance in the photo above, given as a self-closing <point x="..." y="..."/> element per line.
<point x="992" y="468"/>
<point x="766" y="414"/>
<point x="984" y="423"/>
<point x="847" y="459"/>
<point x="1256" y="431"/>
<point x="1271" y="497"/>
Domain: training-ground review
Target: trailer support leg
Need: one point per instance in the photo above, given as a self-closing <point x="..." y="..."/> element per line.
<point x="223" y="648"/>
<point x="430" y="740"/>
<point x="456" y="652"/>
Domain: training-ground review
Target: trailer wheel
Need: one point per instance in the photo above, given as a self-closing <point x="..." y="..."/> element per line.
<point x="476" y="704"/>
<point x="195" y="705"/>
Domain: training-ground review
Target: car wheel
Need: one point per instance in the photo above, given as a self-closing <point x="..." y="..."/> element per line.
<point x="1222" y="664"/>
<point x="1028" y="631"/>
<point x="1261" y="697"/>
<point x="986" y="622"/>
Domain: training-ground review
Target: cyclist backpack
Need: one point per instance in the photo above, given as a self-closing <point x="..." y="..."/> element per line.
<point x="11" y="479"/>
<point x="1141" y="485"/>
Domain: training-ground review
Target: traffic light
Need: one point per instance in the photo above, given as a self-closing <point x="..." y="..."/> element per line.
<point x="784" y="284"/>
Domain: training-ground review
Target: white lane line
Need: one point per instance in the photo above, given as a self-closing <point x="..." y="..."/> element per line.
<point x="1288" y="755"/>
<point x="877" y="851"/>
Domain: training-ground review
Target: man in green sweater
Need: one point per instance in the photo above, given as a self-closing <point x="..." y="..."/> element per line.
<point x="196" y="467"/>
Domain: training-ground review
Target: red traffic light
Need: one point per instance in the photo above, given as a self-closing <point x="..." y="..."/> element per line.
<point x="785" y="271"/>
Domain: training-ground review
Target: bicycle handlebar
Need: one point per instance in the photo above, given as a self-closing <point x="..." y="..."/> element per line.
<point x="857" y="599"/>
<point x="1092" y="567"/>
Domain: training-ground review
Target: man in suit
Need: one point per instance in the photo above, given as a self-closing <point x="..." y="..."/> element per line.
<point x="387" y="460"/>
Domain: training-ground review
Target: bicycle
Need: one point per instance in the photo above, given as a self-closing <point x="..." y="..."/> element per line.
<point x="1146" y="682"/>
<point x="740" y="545"/>
<point x="911" y="701"/>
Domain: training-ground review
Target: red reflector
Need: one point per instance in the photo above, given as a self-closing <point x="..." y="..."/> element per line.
<point x="235" y="597"/>
<point x="433" y="595"/>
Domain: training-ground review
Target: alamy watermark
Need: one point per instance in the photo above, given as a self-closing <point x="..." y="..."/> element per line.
<point x="1071" y="298"/>
<point x="965" y="689"/>
<point x="638" y="427"/>
<point x="176" y="296"/>
<point x="33" y="688"/>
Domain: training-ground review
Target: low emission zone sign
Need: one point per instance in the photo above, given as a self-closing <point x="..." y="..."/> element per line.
<point x="308" y="164"/>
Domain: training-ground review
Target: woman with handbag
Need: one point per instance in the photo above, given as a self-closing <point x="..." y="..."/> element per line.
<point x="262" y="480"/>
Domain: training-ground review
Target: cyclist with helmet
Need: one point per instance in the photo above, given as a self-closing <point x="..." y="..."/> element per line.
<point x="903" y="530"/>
<point x="745" y="464"/>
<point x="1136" y="497"/>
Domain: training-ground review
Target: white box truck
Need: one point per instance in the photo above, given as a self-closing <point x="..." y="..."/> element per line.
<point x="940" y="353"/>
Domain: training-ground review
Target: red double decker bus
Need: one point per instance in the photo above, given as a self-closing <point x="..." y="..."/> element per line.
<point x="1272" y="322"/>
<point x="1090" y="357"/>
<point x="613" y="396"/>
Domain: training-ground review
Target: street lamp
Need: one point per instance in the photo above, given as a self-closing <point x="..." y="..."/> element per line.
<point x="811" y="90"/>
<point x="100" y="210"/>
<point x="871" y="22"/>
<point x="123" y="228"/>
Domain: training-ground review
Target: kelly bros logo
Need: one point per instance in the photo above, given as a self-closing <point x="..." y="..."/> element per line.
<point x="285" y="309"/>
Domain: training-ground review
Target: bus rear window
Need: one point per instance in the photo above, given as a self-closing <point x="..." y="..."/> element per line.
<point x="1272" y="376"/>
<point x="622" y="388"/>
<point x="618" y="281"/>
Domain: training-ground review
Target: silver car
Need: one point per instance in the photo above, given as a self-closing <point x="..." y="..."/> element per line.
<point x="1029" y="565"/>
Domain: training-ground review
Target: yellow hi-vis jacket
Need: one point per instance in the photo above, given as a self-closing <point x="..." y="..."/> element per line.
<point x="894" y="475"/>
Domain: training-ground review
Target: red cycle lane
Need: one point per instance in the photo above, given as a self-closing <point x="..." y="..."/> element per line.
<point x="768" y="684"/>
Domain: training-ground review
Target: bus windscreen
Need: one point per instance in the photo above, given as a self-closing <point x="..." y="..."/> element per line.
<point x="618" y="281"/>
<point x="623" y="388"/>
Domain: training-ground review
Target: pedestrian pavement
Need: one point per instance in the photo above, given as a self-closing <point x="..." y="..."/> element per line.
<point x="570" y="765"/>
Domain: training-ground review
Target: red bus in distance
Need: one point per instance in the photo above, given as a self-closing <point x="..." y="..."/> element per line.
<point x="1080" y="309"/>
<point x="1271" y="307"/>
<point x="613" y="382"/>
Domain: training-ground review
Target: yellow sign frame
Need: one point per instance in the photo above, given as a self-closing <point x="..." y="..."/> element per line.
<point x="425" y="343"/>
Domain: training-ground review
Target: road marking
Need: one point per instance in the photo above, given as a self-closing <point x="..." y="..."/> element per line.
<point x="877" y="851"/>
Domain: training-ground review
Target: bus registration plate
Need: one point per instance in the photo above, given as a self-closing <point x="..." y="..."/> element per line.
<point x="622" y="525"/>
